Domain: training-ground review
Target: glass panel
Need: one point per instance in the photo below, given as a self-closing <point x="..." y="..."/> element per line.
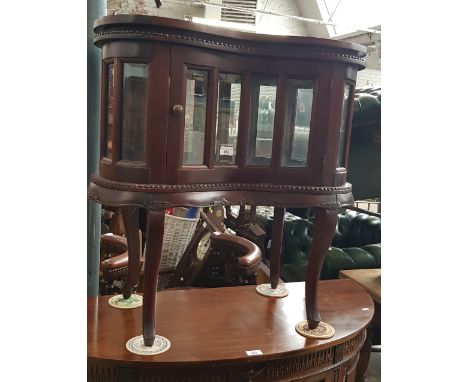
<point x="134" y="111"/>
<point x="262" y="117"/>
<point x="227" y="120"/>
<point x="195" y="116"/>
<point x="297" y="123"/>
<point x="344" y="124"/>
<point x="110" y="111"/>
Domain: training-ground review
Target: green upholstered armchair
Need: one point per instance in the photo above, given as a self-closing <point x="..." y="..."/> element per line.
<point x="356" y="244"/>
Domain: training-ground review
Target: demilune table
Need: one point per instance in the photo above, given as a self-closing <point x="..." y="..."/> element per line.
<point x="211" y="329"/>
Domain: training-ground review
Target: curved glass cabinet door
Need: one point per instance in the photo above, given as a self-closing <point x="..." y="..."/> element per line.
<point x="196" y="98"/>
<point x="135" y="78"/>
<point x="109" y="122"/>
<point x="299" y="97"/>
<point x="343" y="126"/>
<point x="227" y="118"/>
<point x="262" y="118"/>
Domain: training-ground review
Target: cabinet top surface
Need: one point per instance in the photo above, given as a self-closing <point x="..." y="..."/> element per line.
<point x="154" y="27"/>
<point x="221" y="324"/>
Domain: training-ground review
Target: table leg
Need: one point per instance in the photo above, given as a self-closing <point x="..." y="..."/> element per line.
<point x="324" y="229"/>
<point x="364" y="358"/>
<point x="276" y="243"/>
<point x="131" y="223"/>
<point x="155" y="235"/>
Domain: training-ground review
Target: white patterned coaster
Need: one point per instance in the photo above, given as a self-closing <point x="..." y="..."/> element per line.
<point x="136" y="345"/>
<point x="266" y="290"/>
<point x="118" y="301"/>
<point x="322" y="331"/>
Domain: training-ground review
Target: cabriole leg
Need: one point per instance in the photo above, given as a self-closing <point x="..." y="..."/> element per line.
<point x="276" y="243"/>
<point x="324" y="229"/>
<point x="155" y="235"/>
<point x="273" y="289"/>
<point x="131" y="223"/>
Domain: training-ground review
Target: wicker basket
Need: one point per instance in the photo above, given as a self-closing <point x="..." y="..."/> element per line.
<point x="177" y="234"/>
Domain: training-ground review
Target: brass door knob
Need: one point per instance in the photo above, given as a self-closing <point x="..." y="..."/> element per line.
<point x="178" y="109"/>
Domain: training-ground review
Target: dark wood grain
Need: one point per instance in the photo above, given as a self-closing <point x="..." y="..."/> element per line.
<point x="158" y="117"/>
<point x="161" y="180"/>
<point x="206" y="332"/>
<point x="131" y="220"/>
<point x="324" y="229"/>
<point x="155" y="227"/>
<point x="276" y="245"/>
<point x="205" y="31"/>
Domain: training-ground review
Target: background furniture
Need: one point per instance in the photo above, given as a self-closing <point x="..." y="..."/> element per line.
<point x="370" y="279"/>
<point x="355" y="244"/>
<point x="365" y="152"/>
<point x="113" y="267"/>
<point x="215" y="257"/>
<point x="211" y="329"/>
<point x="114" y="262"/>
<point x="244" y="119"/>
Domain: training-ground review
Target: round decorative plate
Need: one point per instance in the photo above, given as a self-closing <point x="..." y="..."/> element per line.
<point x="136" y="345"/>
<point x="266" y="290"/>
<point x="118" y="301"/>
<point x="322" y="331"/>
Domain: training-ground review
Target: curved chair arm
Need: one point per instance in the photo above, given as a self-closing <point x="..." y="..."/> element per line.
<point x="248" y="253"/>
<point x="116" y="267"/>
<point x="113" y="244"/>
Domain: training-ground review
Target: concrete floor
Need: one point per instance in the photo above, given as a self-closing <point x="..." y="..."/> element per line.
<point x="373" y="370"/>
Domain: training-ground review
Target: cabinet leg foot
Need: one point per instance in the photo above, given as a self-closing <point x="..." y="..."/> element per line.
<point x="131" y="223"/>
<point x="155" y="235"/>
<point x="276" y="243"/>
<point x="324" y="229"/>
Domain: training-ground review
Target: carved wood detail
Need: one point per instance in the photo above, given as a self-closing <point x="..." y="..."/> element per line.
<point x="172" y="188"/>
<point x="98" y="373"/>
<point x="354" y="343"/>
<point x="151" y="32"/>
<point x="304" y="364"/>
<point x="295" y="365"/>
<point x="316" y="362"/>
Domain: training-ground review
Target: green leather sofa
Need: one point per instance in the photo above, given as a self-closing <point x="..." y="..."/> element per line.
<point x="355" y="245"/>
<point x="364" y="151"/>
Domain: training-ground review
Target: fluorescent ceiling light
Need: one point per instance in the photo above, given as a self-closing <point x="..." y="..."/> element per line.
<point x="222" y="24"/>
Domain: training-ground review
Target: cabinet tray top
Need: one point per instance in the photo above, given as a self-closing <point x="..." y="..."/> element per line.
<point x="200" y="116"/>
<point x="171" y="30"/>
<point x="188" y="108"/>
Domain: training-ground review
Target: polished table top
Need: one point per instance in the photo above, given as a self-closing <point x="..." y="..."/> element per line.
<point x="221" y="324"/>
<point x="368" y="278"/>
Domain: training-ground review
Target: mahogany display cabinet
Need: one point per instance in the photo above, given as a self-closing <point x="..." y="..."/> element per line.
<point x="200" y="116"/>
